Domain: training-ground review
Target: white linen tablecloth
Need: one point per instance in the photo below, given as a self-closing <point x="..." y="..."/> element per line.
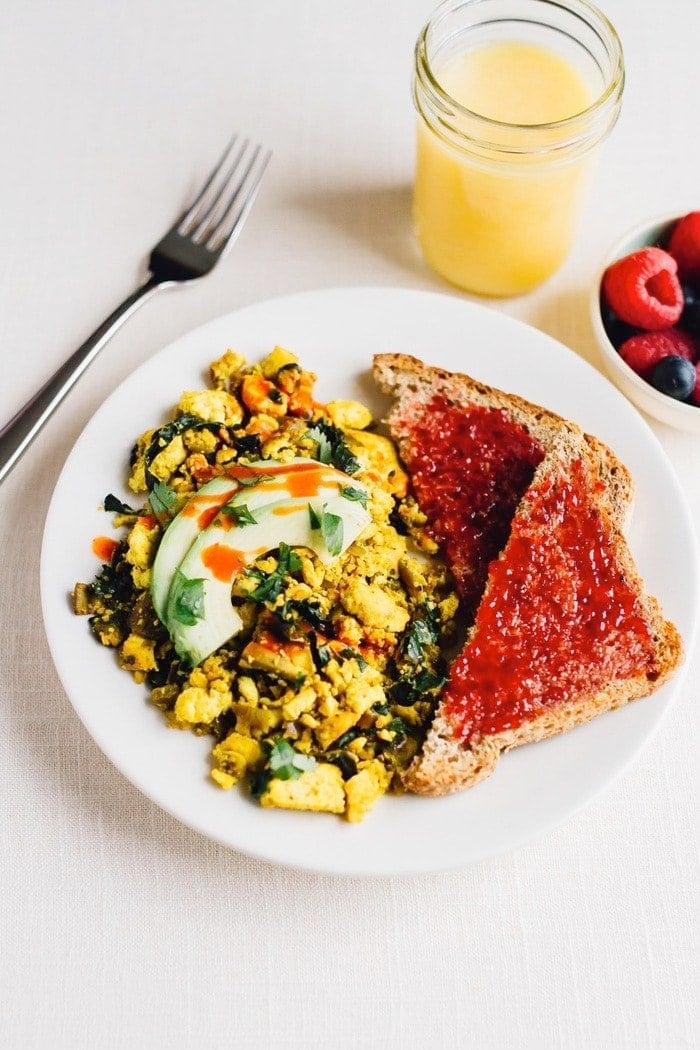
<point x="119" y="926"/>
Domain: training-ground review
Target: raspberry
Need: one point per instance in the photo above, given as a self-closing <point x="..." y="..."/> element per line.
<point x="684" y="246"/>
<point x="643" y="289"/>
<point x="643" y="351"/>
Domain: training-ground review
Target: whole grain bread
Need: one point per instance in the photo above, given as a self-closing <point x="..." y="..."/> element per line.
<point x="412" y="384"/>
<point x="449" y="761"/>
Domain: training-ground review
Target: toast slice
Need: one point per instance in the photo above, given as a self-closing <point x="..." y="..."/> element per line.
<point x="413" y="385"/>
<point x="565" y="631"/>
<point x="471" y="451"/>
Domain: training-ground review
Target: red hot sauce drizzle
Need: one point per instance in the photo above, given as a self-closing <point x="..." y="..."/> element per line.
<point x="559" y="619"/>
<point x="469" y="468"/>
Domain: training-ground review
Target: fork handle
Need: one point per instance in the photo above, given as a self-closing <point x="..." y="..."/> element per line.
<point x="17" y="435"/>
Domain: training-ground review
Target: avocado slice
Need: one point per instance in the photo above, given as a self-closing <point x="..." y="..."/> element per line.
<point x="181" y="534"/>
<point x="199" y="615"/>
<point x="229" y="523"/>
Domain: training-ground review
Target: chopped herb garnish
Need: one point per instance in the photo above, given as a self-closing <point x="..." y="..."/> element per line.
<point x="289" y="560"/>
<point x="332" y="531"/>
<point x="162" y="500"/>
<point x="332" y="448"/>
<point x="355" y="495"/>
<point x="288" y="764"/>
<point x="240" y="514"/>
<point x="271" y="584"/>
<point x="115" y="506"/>
<point x="314" y="520"/>
<point x="188" y="600"/>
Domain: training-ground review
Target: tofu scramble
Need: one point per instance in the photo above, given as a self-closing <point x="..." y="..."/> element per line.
<point x="323" y="695"/>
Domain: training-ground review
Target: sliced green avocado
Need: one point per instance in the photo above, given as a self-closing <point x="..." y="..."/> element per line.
<point x="181" y="534"/>
<point x="199" y="614"/>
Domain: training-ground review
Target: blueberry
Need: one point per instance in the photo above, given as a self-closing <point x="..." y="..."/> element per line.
<point x="690" y="318"/>
<point x="616" y="330"/>
<point x="673" y="375"/>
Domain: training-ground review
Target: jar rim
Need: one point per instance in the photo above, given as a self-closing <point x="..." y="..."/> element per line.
<point x="612" y="91"/>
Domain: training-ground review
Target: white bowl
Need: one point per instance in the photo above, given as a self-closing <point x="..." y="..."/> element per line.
<point x="662" y="407"/>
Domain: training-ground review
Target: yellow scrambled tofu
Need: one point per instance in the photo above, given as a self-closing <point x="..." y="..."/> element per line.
<point x="324" y="695"/>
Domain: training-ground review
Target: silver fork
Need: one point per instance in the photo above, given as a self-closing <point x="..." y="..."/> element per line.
<point x="190" y="249"/>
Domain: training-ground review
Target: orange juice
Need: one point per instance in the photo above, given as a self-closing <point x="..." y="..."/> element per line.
<point x="498" y="221"/>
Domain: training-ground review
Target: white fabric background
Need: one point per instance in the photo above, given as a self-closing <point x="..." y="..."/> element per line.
<point x="121" y="928"/>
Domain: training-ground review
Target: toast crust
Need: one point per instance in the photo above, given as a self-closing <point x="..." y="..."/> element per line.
<point x="445" y="765"/>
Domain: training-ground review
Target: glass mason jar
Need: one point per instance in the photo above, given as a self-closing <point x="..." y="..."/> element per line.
<point x="497" y="204"/>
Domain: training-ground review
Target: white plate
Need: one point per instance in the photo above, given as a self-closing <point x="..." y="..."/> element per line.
<point x="335" y="333"/>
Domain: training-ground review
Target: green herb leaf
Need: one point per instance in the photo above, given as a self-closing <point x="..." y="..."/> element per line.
<point x="288" y="764"/>
<point x="269" y="588"/>
<point x="332" y="531"/>
<point x="188" y="600"/>
<point x="314" y="519"/>
<point x="355" y="495"/>
<point x="288" y="560"/>
<point x="115" y="506"/>
<point x="161" y="500"/>
<point x="240" y="514"/>
<point x="271" y="585"/>
<point x="332" y="448"/>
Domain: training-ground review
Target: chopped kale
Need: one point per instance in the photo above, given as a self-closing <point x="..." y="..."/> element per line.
<point x="115" y="580"/>
<point x="332" y="448"/>
<point x="348" y="737"/>
<point x="308" y="610"/>
<point x="352" y="654"/>
<point x="115" y="506"/>
<point x="165" y="434"/>
<point x="422" y="632"/>
<point x="271" y="585"/>
<point x="409" y="689"/>
<point x="321" y="654"/>
<point x="248" y="445"/>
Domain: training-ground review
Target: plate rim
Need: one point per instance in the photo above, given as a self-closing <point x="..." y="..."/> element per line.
<point x="423" y="866"/>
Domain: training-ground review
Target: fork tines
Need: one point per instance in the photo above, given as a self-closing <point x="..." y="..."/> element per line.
<point x="227" y="196"/>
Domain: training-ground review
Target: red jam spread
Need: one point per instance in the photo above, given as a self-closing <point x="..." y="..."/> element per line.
<point x="470" y="467"/>
<point x="559" y="619"/>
